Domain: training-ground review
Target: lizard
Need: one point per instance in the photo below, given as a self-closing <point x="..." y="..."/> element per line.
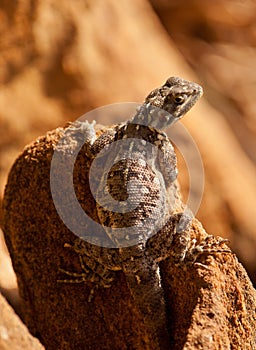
<point x="138" y="220"/>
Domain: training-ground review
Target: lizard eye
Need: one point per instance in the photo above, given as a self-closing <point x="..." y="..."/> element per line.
<point x="179" y="98"/>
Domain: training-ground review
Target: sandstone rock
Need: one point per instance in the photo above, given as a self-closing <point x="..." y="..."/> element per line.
<point x="13" y="333"/>
<point x="210" y="304"/>
<point x="8" y="283"/>
<point x="54" y="75"/>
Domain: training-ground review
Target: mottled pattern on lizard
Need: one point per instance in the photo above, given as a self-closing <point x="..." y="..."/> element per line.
<point x="139" y="251"/>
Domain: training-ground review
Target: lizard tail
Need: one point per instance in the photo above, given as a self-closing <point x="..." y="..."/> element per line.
<point x="149" y="299"/>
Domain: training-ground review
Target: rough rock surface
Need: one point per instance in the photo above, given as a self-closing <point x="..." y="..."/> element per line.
<point x="210" y="305"/>
<point x="94" y="53"/>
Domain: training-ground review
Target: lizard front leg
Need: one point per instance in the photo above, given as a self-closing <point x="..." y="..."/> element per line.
<point x="178" y="244"/>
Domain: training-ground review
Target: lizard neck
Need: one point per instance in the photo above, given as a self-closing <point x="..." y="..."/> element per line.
<point x="150" y="115"/>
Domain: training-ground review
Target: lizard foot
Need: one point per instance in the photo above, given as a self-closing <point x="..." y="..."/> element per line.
<point x="209" y="246"/>
<point x="92" y="271"/>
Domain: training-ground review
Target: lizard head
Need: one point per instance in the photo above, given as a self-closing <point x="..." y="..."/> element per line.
<point x="176" y="97"/>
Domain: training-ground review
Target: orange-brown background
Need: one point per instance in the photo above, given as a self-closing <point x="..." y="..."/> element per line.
<point x="61" y="59"/>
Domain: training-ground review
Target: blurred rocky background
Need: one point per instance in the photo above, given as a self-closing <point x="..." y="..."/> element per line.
<point x="61" y="59"/>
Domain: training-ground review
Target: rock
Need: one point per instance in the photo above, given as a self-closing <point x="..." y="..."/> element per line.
<point x="209" y="304"/>
<point x="8" y="283"/>
<point x="59" y="314"/>
<point x="49" y="77"/>
<point x="13" y="333"/>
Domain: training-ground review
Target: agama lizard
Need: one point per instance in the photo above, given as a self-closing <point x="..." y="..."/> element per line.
<point x="134" y="203"/>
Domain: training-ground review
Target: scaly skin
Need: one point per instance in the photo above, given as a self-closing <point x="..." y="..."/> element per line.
<point x="125" y="204"/>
